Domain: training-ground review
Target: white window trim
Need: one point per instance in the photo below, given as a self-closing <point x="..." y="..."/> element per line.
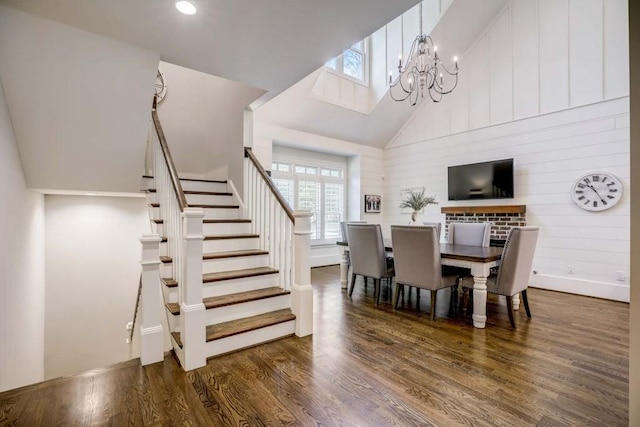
<point x="296" y="177"/>
<point x="338" y="71"/>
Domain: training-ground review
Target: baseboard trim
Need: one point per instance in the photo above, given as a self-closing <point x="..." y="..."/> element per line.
<point x="605" y="290"/>
<point x="322" y="260"/>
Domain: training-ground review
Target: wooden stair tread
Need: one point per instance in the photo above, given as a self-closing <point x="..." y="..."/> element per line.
<point x="234" y="254"/>
<point x="237" y="274"/>
<point x="215" y="206"/>
<point x="173" y="307"/>
<point x="169" y="282"/>
<point x="193" y="179"/>
<point x="194" y="192"/>
<point x="226" y="221"/>
<point x="235" y="327"/>
<point x="232" y="236"/>
<point x="158" y="221"/>
<point x="166" y="259"/>
<point x="231" y="299"/>
<point x="154" y="205"/>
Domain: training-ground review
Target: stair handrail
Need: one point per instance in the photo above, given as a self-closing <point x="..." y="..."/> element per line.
<point x="248" y="152"/>
<point x="135" y="310"/>
<point x="175" y="180"/>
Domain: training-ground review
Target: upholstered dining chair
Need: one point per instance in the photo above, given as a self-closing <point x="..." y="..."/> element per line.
<point x="515" y="268"/>
<point x="437" y="225"/>
<point x="368" y="259"/>
<point x="417" y="261"/>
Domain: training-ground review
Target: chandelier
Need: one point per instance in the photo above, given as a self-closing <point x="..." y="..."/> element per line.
<point x="423" y="72"/>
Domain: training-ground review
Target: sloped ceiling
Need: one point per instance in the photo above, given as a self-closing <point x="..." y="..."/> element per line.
<point x="295" y="109"/>
<point x="268" y="44"/>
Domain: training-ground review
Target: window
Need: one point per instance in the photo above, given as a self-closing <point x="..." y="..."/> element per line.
<point x="315" y="188"/>
<point x="352" y="63"/>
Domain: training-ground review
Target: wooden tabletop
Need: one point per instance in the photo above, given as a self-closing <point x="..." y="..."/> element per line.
<point x="461" y="252"/>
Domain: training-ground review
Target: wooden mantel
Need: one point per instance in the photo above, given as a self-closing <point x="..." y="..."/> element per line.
<point x="517" y="209"/>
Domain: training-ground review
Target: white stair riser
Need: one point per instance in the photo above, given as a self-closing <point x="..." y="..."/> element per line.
<point x="179" y="352"/>
<point x="163" y="249"/>
<point x="247" y="309"/>
<point x="217" y="213"/>
<point x="203" y="186"/>
<point x="157" y="228"/>
<point x="226" y="228"/>
<point x="225" y="245"/>
<point x="154" y="213"/>
<point x="236" y="263"/>
<point x="173" y="321"/>
<point x="166" y="269"/>
<point x="251" y="338"/>
<point x="224" y="287"/>
<point x="170" y="294"/>
<point x="207" y="199"/>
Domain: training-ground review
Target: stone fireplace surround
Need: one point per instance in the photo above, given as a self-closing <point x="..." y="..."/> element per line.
<point x="503" y="218"/>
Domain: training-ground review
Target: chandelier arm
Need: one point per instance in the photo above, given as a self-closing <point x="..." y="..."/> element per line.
<point x="447" y="70"/>
<point x="411" y="52"/>
<point x="398" y="99"/>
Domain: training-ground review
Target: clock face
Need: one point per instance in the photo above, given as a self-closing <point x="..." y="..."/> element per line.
<point x="596" y="191"/>
<point x="161" y="87"/>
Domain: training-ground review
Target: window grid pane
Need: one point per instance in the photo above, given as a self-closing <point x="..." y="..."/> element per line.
<point x="333" y="209"/>
<point x="309" y="200"/>
<point x="353" y="63"/>
<point x="285" y="186"/>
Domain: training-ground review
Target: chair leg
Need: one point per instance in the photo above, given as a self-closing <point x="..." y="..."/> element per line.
<point x="433" y="305"/>
<point x="353" y="283"/>
<point x="510" y="310"/>
<point x="396" y="296"/>
<point x="525" y="301"/>
<point x="376" y="290"/>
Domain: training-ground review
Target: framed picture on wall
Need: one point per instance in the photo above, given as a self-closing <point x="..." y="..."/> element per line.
<point x="372" y="203"/>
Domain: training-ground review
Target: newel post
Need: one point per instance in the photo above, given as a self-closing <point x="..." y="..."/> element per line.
<point x="151" y="333"/>
<point x="301" y="291"/>
<point x="192" y="309"/>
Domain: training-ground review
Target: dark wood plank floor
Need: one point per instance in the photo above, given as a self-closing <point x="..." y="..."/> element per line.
<point x="373" y="366"/>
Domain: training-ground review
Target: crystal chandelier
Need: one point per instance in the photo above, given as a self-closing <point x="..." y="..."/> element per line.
<point x="423" y="72"/>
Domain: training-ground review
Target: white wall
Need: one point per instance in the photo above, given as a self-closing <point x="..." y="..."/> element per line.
<point x="80" y="104"/>
<point x="92" y="273"/>
<point x="21" y="267"/>
<point x="203" y="119"/>
<point x="575" y="93"/>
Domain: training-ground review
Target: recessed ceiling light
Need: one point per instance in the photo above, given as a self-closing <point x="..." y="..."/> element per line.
<point x="186" y="7"/>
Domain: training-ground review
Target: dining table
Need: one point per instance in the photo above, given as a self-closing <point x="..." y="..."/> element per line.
<point x="478" y="259"/>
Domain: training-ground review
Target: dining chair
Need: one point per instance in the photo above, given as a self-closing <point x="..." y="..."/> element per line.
<point x="368" y="259"/>
<point x="417" y="261"/>
<point x="515" y="268"/>
<point x="438" y="226"/>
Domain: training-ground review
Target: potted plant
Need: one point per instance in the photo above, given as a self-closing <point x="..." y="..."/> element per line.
<point x="416" y="200"/>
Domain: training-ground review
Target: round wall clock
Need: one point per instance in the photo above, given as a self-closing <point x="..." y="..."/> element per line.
<point x="596" y="191"/>
<point x="161" y="87"/>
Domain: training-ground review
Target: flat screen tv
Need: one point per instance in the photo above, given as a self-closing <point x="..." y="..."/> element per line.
<point x="487" y="180"/>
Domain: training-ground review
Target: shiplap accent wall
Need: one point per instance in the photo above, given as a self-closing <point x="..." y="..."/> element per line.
<point x="546" y="84"/>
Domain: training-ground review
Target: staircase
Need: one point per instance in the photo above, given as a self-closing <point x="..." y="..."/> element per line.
<point x="234" y="273"/>
<point x="245" y="304"/>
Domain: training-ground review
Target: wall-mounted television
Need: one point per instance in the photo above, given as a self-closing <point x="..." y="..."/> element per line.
<point x="487" y="180"/>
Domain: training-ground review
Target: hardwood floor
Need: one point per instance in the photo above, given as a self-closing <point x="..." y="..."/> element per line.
<point x="373" y="366"/>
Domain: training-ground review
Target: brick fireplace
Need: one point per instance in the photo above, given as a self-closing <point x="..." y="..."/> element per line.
<point x="503" y="218"/>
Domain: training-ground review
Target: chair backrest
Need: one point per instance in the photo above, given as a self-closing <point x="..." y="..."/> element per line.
<point x="437" y="225"/>
<point x="343" y="229"/>
<point x="517" y="259"/>
<point x="366" y="249"/>
<point x="416" y="256"/>
<point x="470" y="233"/>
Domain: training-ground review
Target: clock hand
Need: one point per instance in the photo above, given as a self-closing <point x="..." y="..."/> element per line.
<point x="596" y="191"/>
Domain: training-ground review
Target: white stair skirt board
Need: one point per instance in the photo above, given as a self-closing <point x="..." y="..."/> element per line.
<point x="218" y="187"/>
<point x="249" y="339"/>
<point x="170" y="294"/>
<point x="247" y="309"/>
<point x="218" y="213"/>
<point x="235" y="263"/>
<point x="208" y="199"/>
<point x="224" y="287"/>
<point x="224" y="245"/>
<point x="226" y="228"/>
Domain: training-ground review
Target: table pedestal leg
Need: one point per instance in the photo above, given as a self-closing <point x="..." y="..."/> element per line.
<point x="479" y="301"/>
<point x="344" y="268"/>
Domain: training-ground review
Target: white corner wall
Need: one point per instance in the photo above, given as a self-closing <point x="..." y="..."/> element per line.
<point x="203" y="119"/>
<point x="92" y="273"/>
<point x="21" y="267"/>
<point x="547" y="84"/>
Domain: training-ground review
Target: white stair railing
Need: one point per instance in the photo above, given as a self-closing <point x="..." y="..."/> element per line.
<point x="285" y="234"/>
